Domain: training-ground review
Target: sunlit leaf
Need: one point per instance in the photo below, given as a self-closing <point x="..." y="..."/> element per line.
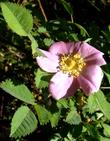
<point x="92" y="104"/>
<point x="41" y="79"/>
<point x="17" y="17"/>
<point x="69" y="137"/>
<point x="102" y="104"/>
<point x="54" y="118"/>
<point x="19" y="91"/>
<point x="88" y="39"/>
<point x="104" y="138"/>
<point x="42" y="113"/>
<point x="106" y="130"/>
<point x="48" y="41"/>
<point x="42" y="29"/>
<point x="62" y="103"/>
<point x="23" y="122"/>
<point x="73" y="118"/>
<point x="56" y="137"/>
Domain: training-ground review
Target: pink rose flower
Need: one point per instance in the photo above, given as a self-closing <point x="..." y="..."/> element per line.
<point x="75" y="65"/>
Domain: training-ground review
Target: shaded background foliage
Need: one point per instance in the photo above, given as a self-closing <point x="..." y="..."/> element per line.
<point x="18" y="64"/>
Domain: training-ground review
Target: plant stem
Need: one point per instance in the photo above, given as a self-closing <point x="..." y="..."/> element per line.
<point x="105" y="87"/>
<point x="42" y="10"/>
<point x="72" y="20"/>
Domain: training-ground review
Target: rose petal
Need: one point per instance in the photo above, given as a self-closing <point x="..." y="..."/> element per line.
<point x="90" y="79"/>
<point x="59" y="48"/>
<point x="70" y="47"/>
<point x="49" y="55"/>
<point x="60" y="85"/>
<point x="87" y="50"/>
<point x="47" y="64"/>
<point x="74" y="86"/>
<point x="73" y="47"/>
<point x="95" y="59"/>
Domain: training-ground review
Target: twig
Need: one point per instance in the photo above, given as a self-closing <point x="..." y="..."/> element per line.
<point x="94" y="6"/>
<point x="1" y="107"/>
<point x="105" y="87"/>
<point x="19" y="54"/>
<point x="42" y="10"/>
<point x="72" y="20"/>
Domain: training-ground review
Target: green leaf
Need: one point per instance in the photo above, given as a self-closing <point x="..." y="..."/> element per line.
<point x="17" y="17"/>
<point x="48" y="41"/>
<point x="88" y="40"/>
<point x="20" y="91"/>
<point x="107" y="35"/>
<point x="104" y="138"/>
<point x="106" y="130"/>
<point x="92" y="130"/>
<point x="41" y="79"/>
<point x="98" y="101"/>
<point x="83" y="31"/>
<point x="42" y="113"/>
<point x="42" y="29"/>
<point x="62" y="103"/>
<point x="56" y="137"/>
<point x="23" y="122"/>
<point x="73" y="117"/>
<point x="108" y="76"/>
<point x="102" y="104"/>
<point x="67" y="6"/>
<point x="73" y="36"/>
<point x="92" y="104"/>
<point x="54" y="118"/>
<point x="71" y="103"/>
<point x="77" y="130"/>
<point x="69" y="137"/>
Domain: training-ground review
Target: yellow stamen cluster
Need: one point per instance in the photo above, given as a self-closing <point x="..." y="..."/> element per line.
<point x="71" y="64"/>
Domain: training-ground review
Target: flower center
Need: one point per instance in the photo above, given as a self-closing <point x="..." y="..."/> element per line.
<point x="71" y="64"/>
